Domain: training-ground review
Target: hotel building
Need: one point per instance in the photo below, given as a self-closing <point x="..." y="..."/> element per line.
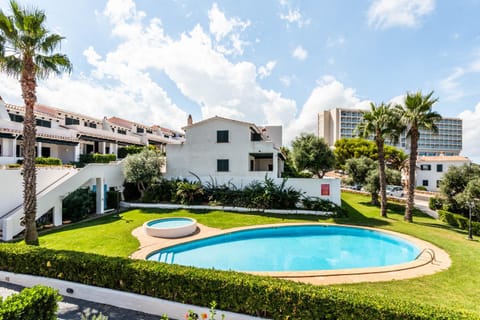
<point x="338" y="123"/>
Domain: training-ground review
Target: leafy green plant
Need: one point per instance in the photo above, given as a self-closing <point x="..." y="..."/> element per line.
<point x="99" y="316"/>
<point x="36" y="303"/>
<point x="143" y="169"/>
<point x="78" y="204"/>
<point x="189" y="192"/>
<point x="48" y="161"/>
<point x="96" y="158"/>
<point x="421" y="188"/>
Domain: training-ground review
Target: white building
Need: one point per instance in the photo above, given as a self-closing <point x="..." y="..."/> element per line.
<point x="430" y="170"/>
<point x="221" y="147"/>
<point x="67" y="135"/>
<point x="230" y="151"/>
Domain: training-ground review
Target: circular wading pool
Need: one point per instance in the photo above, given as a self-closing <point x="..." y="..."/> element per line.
<point x="170" y="227"/>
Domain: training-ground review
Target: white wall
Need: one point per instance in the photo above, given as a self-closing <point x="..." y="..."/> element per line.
<point x="11" y="188"/>
<point x="432" y="175"/>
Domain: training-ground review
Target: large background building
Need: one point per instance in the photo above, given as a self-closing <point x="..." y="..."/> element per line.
<point x="338" y="123"/>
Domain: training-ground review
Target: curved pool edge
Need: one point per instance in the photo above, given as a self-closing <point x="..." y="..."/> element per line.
<point x="422" y="266"/>
<point x="171" y="232"/>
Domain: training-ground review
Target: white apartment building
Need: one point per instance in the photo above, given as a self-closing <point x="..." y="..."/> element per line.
<point x="338" y="123"/>
<point x="430" y="170"/>
<point x="221" y="147"/>
<point x="66" y="135"/>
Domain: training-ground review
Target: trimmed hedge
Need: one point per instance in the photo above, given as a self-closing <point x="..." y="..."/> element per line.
<point x="458" y="221"/>
<point x="97" y="158"/>
<point x="233" y="291"/>
<point x="48" y="161"/>
<point x="36" y="303"/>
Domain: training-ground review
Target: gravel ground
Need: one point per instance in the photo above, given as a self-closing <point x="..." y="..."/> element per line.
<point x="72" y="309"/>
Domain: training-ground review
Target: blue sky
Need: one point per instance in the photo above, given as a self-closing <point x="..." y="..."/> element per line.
<point x="269" y="61"/>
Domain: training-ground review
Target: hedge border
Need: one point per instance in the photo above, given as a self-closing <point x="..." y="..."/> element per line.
<point x="233" y="291"/>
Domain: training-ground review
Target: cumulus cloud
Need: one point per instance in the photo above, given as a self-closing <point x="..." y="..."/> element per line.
<point x="329" y="93"/>
<point x="266" y="70"/>
<point x="300" y="53"/>
<point x="294" y="16"/>
<point x="384" y="14"/>
<point x="471" y="132"/>
<point x="227" y="31"/>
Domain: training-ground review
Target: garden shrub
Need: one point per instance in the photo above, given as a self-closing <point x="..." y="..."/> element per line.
<point x="421" y="188"/>
<point x="113" y="198"/>
<point x="163" y="190"/>
<point x="78" y="204"/>
<point x="458" y="221"/>
<point x="36" y="303"/>
<point x="48" y="161"/>
<point x="125" y="151"/>
<point x="233" y="291"/>
<point x="130" y="191"/>
<point x="96" y="158"/>
<point x="435" y="203"/>
<point x="318" y="204"/>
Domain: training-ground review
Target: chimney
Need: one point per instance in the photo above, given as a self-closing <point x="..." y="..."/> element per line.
<point x="189" y="120"/>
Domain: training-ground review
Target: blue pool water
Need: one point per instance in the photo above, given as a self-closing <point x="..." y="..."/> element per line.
<point x="169" y="222"/>
<point x="292" y="248"/>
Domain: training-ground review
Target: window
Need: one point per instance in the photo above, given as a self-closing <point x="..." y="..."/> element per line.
<point x="425" y="183"/>
<point x="439" y="167"/>
<point x="121" y="131"/>
<point x="140" y="130"/>
<point x="16" y="117"/>
<point x="425" y="167"/>
<point x="43" y="123"/>
<point x="69" y="121"/>
<point x="92" y="125"/>
<point x="45" y="152"/>
<point x="256" y="136"/>
<point x="222" y="165"/>
<point x="222" y="136"/>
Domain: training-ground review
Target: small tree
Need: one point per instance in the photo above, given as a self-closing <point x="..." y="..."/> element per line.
<point x="143" y="169"/>
<point x="358" y="169"/>
<point x="373" y="182"/>
<point x="313" y="154"/>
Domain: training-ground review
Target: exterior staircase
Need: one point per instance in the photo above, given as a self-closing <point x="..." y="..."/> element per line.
<point x="51" y="196"/>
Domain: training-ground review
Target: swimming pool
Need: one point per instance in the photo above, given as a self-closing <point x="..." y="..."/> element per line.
<point x="292" y="248"/>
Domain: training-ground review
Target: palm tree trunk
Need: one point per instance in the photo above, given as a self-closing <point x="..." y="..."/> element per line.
<point x="411" y="175"/>
<point x="29" y="84"/>
<point x="383" y="178"/>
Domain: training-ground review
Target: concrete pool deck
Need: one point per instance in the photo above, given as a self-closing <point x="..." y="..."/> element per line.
<point x="431" y="260"/>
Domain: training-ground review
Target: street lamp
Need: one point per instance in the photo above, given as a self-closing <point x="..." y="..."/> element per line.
<point x="470" y="207"/>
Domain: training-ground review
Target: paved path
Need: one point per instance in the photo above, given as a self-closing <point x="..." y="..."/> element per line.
<point x="72" y="309"/>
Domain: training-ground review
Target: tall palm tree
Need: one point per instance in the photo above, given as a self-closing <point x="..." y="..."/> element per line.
<point x="27" y="53"/>
<point x="416" y="115"/>
<point x="381" y="123"/>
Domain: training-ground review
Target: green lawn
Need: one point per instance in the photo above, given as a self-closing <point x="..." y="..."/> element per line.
<point x="458" y="287"/>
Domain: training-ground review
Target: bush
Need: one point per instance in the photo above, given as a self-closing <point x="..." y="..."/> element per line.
<point x="48" y="161"/>
<point x="435" y="203"/>
<point x="421" y="188"/>
<point x="36" y="303"/>
<point x="458" y="221"/>
<point x="78" y="204"/>
<point x="164" y="190"/>
<point x="113" y="199"/>
<point x="125" y="151"/>
<point x="318" y="204"/>
<point x="96" y="158"/>
<point x="233" y="291"/>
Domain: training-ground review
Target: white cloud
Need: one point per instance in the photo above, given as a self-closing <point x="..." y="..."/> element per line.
<point x="384" y="14"/>
<point x="221" y="27"/>
<point x="286" y="81"/>
<point x="293" y="16"/>
<point x="266" y="70"/>
<point x="471" y="132"/>
<point x="451" y="85"/>
<point x="335" y="41"/>
<point x="300" y="53"/>
<point x="329" y="93"/>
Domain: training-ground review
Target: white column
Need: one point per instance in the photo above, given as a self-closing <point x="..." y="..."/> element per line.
<point x="14" y="148"/>
<point x="39" y="149"/>
<point x="100" y="195"/>
<point x="57" y="213"/>
<point x="275" y="165"/>
<point x="76" y="153"/>
<point x="101" y="146"/>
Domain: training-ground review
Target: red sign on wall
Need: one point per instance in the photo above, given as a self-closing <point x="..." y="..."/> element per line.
<point x="325" y="189"/>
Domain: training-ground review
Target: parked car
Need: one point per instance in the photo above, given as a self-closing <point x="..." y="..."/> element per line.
<point x="395" y="191"/>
